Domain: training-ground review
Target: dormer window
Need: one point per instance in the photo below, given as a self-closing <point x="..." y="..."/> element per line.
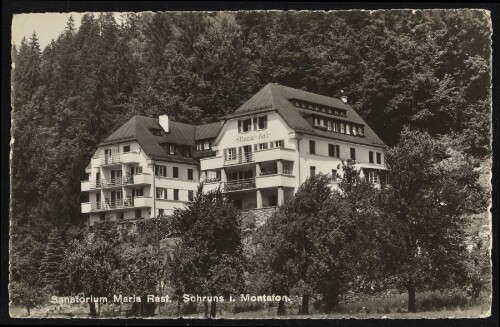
<point x="171" y="149"/>
<point x="244" y="126"/>
<point x="261" y="122"/>
<point x="156" y="131"/>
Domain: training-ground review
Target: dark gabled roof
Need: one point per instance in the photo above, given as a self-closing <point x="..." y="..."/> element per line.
<point x="208" y="131"/>
<point x="140" y="128"/>
<point x="278" y="97"/>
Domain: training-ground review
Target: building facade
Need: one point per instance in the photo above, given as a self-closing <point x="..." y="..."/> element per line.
<point x="259" y="155"/>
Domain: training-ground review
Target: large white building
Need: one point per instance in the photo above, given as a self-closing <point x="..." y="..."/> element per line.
<point x="258" y="155"/>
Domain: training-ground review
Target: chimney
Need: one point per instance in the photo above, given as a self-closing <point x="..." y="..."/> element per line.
<point x="164" y="122"/>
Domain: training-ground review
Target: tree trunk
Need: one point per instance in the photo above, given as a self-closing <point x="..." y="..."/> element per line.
<point x="305" y="304"/>
<point x="29" y="312"/>
<point x="411" y="298"/>
<point x="205" y="303"/>
<point x="98" y="309"/>
<point x="281" y="308"/>
<point x="93" y="312"/>
<point x="213" y="309"/>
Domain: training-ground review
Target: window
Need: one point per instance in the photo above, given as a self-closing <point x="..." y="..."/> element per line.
<point x="373" y="178"/>
<point x="312" y="147"/>
<point x="161" y="193"/>
<point x="288" y="167"/>
<point x="312" y="171"/>
<point x="190" y="174"/>
<point x="206" y="145"/>
<point x="277" y="144"/>
<point x="161" y="212"/>
<point x="244" y="126"/>
<point x="379" y="158"/>
<point x="261" y="146"/>
<point x="336" y="126"/>
<point x="171" y="149"/>
<point x="137" y="192"/>
<point x="102" y="216"/>
<point x="333" y="150"/>
<point x="175" y="172"/>
<point x="347" y="129"/>
<point x="161" y="170"/>
<point x="190" y="196"/>
<point x="213" y="175"/>
<point x="342" y="128"/>
<point x="360" y="130"/>
<point x="329" y="125"/>
<point x="156" y="131"/>
<point x="230" y="154"/>
<point x="199" y="146"/>
<point x="370" y="156"/>
<point x="138" y="213"/>
<point x="353" y="153"/>
<point x="176" y="195"/>
<point x="262" y="122"/>
<point x="134" y="170"/>
<point x="121" y="215"/>
<point x="126" y="148"/>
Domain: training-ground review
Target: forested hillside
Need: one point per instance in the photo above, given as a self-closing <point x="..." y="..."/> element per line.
<point x="426" y="69"/>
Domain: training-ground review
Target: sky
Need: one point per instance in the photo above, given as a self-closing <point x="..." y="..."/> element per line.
<point x="47" y="26"/>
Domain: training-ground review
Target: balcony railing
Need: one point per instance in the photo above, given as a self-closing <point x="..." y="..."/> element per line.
<point x="127" y="202"/>
<point x="111" y="182"/>
<point x="110" y="205"/>
<point x="240" y="184"/>
<point x="238" y="158"/>
<point x="111" y="159"/>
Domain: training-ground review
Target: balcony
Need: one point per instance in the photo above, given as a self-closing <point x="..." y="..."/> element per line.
<point x="142" y="178"/>
<point x="275" y="154"/>
<point x="86" y="185"/>
<point x="137" y="179"/>
<point x="111" y="182"/>
<point x="275" y="180"/>
<point x="129" y="202"/>
<point x="238" y="158"/>
<point x="239" y="185"/>
<point x="142" y="201"/>
<point x="116" y="159"/>
<point x="111" y="160"/>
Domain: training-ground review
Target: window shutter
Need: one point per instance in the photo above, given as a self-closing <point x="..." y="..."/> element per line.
<point x="255" y="147"/>
<point x="337" y="151"/>
<point x="239" y="126"/>
<point x="225" y="153"/>
<point x="254" y="123"/>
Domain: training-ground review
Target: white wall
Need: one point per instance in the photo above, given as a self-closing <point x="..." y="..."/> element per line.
<point x="324" y="163"/>
<point x="276" y="130"/>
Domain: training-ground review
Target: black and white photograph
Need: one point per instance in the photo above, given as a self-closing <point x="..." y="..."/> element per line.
<point x="251" y="164"/>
